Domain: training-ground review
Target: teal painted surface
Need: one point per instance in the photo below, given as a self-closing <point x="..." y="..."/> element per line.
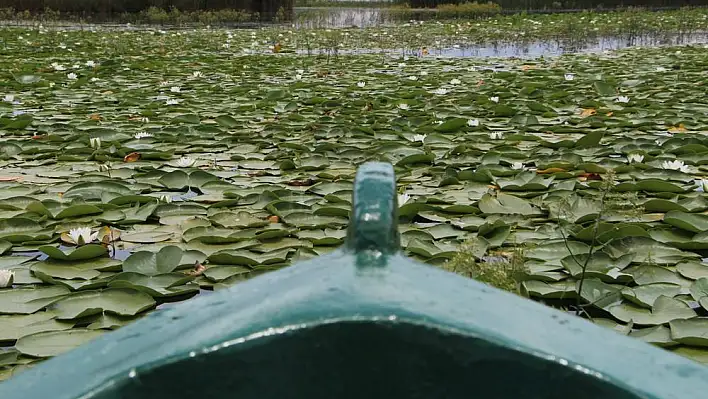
<point x="364" y="321"/>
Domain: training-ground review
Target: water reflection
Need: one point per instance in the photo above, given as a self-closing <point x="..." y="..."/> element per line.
<point x="328" y="17"/>
<point x="534" y="49"/>
<point x="566" y="46"/>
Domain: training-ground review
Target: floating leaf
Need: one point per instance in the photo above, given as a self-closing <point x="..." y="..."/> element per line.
<point x="665" y="309"/>
<point x="52" y="343"/>
<point x="505" y="204"/>
<point x="83" y="252"/>
<point x="29" y="300"/>
<point x="690" y="332"/>
<point x="164" y="261"/>
<point x="120" y="301"/>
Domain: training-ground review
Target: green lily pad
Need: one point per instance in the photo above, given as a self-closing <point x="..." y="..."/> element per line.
<point x="162" y="285"/>
<point x="52" y="343"/>
<point x="646" y="295"/>
<point x="14" y="327"/>
<point x="83" y="252"/>
<point x="164" y="261"/>
<point x="248" y="258"/>
<point x="692" y="222"/>
<point x="19" y="230"/>
<point x="690" y="332"/>
<point x="555" y="290"/>
<point x="692" y="270"/>
<point x="599" y="294"/>
<point x="29" y="300"/>
<point x="120" y="301"/>
<point x="600" y="265"/>
<point x="109" y="321"/>
<point x="63" y="271"/>
<point x="221" y="273"/>
<point x="620" y="328"/>
<point x="505" y="204"/>
<point x="699" y="291"/>
<point x="323" y="237"/>
<point x="230" y="220"/>
<point x="659" y="335"/>
<point x="664" y="310"/>
<point x="178" y="180"/>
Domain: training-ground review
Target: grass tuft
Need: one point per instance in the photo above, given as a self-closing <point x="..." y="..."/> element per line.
<point x="501" y="270"/>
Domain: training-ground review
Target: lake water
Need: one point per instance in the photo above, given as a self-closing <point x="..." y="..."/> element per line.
<point x="313" y="17"/>
<point x="535" y="49"/>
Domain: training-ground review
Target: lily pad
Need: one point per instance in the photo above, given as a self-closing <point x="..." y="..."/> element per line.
<point x="664" y="310"/>
<point x="120" y="301"/>
<point x="83" y="252"/>
<point x="52" y="343"/>
<point x="164" y="261"/>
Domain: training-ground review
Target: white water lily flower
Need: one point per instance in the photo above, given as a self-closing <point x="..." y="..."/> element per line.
<point x="298" y="77"/>
<point x="95" y="142"/>
<point x="57" y="66"/>
<point x="569" y="76"/>
<point x="403" y="198"/>
<point x="8" y="98"/>
<point x="6" y="278"/>
<point x="413" y="78"/>
<point x="90" y="64"/>
<point x="472" y="122"/>
<point x="175" y="89"/>
<point x="72" y="76"/>
<point x="404" y="106"/>
<point x="419" y="137"/>
<point x="172" y="101"/>
<point x="94" y="79"/>
<point x="675" y="165"/>
<point x="361" y="84"/>
<point x="623" y="99"/>
<point x="517" y="165"/>
<point x="635" y="158"/>
<point x="142" y="135"/>
<point x="423" y="73"/>
<point x="165" y="83"/>
<point x="440" y="91"/>
<point x="197" y="74"/>
<point x="185" y="162"/>
<point x="165" y="198"/>
<point x="455" y="81"/>
<point x="660" y="69"/>
<point x="82" y="235"/>
<point x="496" y="135"/>
<point x="494" y="99"/>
